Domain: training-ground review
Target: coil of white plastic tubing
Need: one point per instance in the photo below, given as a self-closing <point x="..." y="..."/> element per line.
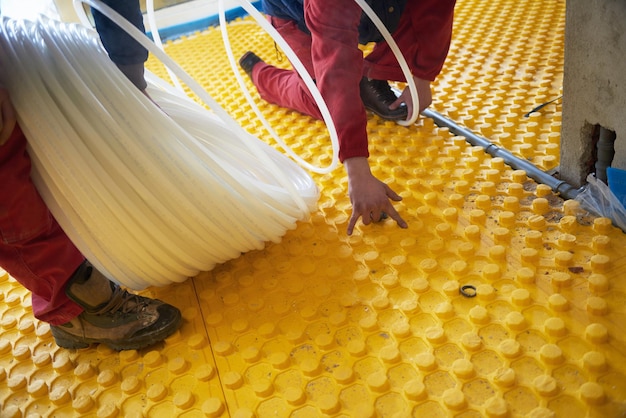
<point x="151" y="195"/>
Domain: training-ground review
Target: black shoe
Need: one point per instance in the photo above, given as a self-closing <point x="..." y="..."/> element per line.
<point x="248" y="61"/>
<point x="377" y="96"/>
<point x="112" y="316"/>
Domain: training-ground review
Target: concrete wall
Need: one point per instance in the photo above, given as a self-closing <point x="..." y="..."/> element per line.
<point x="594" y="84"/>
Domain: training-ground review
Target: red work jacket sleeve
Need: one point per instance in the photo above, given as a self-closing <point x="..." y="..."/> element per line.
<point x="338" y="65"/>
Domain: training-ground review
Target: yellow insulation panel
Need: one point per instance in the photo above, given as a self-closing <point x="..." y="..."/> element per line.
<point x="499" y="300"/>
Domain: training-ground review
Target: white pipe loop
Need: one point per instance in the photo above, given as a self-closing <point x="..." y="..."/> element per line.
<point x="399" y="57"/>
<point x="293" y="58"/>
<point x="125" y="211"/>
<point x="152" y="195"/>
<point x="143" y="40"/>
<point x="154" y="30"/>
<point x="308" y="81"/>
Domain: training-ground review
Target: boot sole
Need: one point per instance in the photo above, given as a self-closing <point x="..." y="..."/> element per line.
<point x="70" y="341"/>
<point x="387" y="116"/>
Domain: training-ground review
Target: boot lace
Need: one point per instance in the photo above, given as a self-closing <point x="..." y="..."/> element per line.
<point x="123" y="302"/>
<point x="383" y="91"/>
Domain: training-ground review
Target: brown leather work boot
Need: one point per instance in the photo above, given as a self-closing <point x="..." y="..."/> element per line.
<point x="112" y="316"/>
<point x="377" y="96"/>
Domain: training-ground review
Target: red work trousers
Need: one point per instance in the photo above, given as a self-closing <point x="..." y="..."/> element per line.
<point x="423" y="35"/>
<point x="287" y="89"/>
<point x="33" y="248"/>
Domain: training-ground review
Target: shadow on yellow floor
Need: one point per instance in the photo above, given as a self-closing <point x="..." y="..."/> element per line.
<point x="322" y="324"/>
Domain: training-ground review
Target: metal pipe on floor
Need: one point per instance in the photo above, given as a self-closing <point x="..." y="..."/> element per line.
<point x="564" y="189"/>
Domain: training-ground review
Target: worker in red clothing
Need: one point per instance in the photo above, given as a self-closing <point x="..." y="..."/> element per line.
<point x="325" y="35"/>
<point x="81" y="305"/>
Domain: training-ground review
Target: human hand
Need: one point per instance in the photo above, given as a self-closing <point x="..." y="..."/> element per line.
<point x="424" y="95"/>
<point x="7" y="116"/>
<point x="370" y="197"/>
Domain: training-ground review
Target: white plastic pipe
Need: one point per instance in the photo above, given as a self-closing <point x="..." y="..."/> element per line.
<point x="399" y="57"/>
<point x="154" y="30"/>
<point x="152" y="195"/>
<point x="162" y="202"/>
<point x="142" y="39"/>
<point x="252" y="11"/>
<point x="308" y="81"/>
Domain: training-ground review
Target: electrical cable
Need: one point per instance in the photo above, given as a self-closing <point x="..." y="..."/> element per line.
<point x="541" y="106"/>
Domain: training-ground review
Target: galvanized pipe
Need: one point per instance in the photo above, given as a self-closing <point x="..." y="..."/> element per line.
<point x="564" y="189"/>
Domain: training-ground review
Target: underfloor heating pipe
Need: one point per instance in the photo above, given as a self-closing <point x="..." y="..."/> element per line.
<point x="564" y="189"/>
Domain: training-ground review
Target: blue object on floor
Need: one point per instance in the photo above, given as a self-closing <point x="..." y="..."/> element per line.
<point x="617" y="183"/>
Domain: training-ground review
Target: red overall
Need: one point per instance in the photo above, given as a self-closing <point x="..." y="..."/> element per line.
<point x="332" y="58"/>
<point x="33" y="248"/>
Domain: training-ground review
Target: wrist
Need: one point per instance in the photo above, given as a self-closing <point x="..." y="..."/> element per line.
<point x="357" y="166"/>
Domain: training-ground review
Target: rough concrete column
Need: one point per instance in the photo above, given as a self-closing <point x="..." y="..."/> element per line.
<point x="594" y="83"/>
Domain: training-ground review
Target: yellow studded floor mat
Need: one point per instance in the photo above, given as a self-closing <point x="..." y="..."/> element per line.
<point x="499" y="300"/>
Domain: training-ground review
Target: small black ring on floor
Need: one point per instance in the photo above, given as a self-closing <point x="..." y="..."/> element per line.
<point x="464" y="291"/>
